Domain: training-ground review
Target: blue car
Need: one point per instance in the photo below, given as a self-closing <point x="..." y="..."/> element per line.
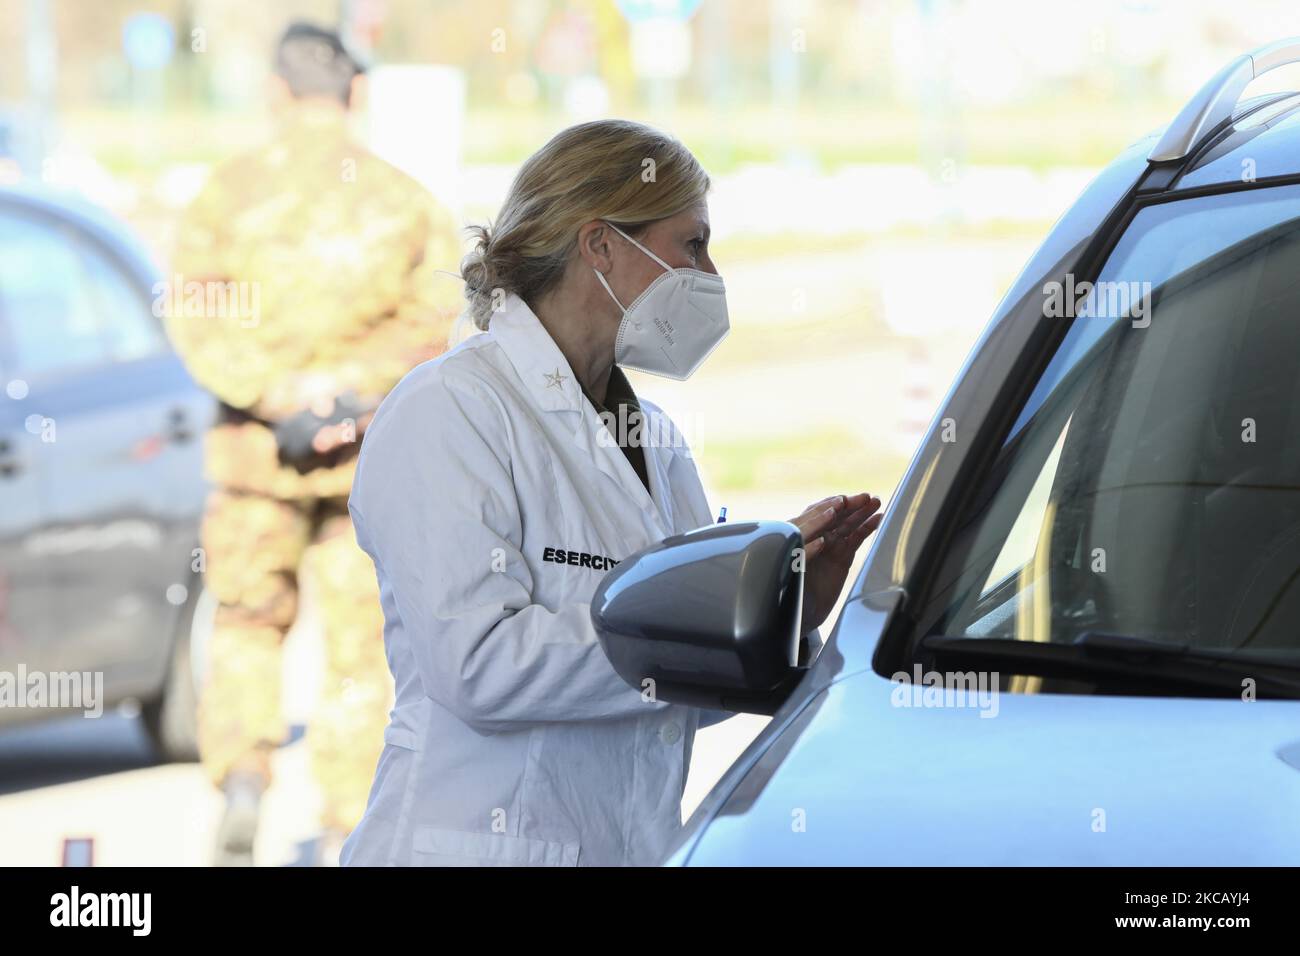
<point x="101" y="468"/>
<point x="1076" y="638"/>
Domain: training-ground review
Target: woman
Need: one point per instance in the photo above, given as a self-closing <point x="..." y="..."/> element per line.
<point x="492" y="499"/>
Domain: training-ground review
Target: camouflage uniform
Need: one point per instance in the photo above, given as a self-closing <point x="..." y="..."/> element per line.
<point x="344" y="253"/>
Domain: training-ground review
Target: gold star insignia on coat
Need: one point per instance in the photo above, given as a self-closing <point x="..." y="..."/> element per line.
<point x="554" y="379"/>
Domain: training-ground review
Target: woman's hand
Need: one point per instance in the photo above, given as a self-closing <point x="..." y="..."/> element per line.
<point x="833" y="529"/>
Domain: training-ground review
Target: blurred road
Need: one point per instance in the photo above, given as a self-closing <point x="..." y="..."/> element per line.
<point x="97" y="778"/>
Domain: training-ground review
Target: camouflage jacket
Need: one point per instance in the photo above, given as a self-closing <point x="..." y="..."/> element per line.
<point x="308" y="266"/>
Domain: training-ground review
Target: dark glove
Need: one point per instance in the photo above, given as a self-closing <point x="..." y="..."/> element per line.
<point x="294" y="435"/>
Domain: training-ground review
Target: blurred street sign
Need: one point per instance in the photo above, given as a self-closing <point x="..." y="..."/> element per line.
<point x="661" y="41"/>
<point x="148" y="40"/>
<point x="638" y="10"/>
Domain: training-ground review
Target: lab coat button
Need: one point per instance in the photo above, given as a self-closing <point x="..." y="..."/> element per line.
<point x="670" y="733"/>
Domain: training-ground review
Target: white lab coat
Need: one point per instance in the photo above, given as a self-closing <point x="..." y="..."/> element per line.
<point x="512" y="740"/>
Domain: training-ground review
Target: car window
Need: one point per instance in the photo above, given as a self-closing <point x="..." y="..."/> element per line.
<point x="1151" y="486"/>
<point x="65" y="302"/>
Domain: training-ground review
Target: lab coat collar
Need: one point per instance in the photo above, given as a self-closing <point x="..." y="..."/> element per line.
<point x="539" y="362"/>
<point x="546" y="373"/>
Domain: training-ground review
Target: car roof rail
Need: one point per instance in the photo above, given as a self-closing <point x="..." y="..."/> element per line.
<point x="1214" y="103"/>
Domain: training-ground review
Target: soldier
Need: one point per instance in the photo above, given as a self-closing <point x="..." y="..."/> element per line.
<point x="327" y="263"/>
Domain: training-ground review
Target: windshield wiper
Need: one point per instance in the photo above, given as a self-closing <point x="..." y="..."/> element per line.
<point x="1126" y="659"/>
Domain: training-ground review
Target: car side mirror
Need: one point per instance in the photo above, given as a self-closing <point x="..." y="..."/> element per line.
<point x="711" y="617"/>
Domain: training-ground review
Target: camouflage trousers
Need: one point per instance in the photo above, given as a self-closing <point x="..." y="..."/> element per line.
<point x="255" y="546"/>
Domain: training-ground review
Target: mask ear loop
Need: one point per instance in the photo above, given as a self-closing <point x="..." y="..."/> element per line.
<point x="601" y="278"/>
<point x="666" y="266"/>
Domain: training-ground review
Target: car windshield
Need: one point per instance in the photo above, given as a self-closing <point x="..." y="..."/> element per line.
<point x="1151" y="486"/>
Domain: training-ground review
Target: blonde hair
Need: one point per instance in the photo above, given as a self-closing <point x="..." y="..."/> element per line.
<point x="617" y="170"/>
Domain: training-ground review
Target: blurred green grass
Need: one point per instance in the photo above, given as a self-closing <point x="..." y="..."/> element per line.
<point x="754" y="247"/>
<point x="1067" y="132"/>
<point x="834" y="458"/>
<point x="753" y="344"/>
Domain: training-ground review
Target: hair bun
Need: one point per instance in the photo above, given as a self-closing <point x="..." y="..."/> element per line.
<point x="478" y="274"/>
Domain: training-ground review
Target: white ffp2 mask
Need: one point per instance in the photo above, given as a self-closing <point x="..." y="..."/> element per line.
<point x="673" y="326"/>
